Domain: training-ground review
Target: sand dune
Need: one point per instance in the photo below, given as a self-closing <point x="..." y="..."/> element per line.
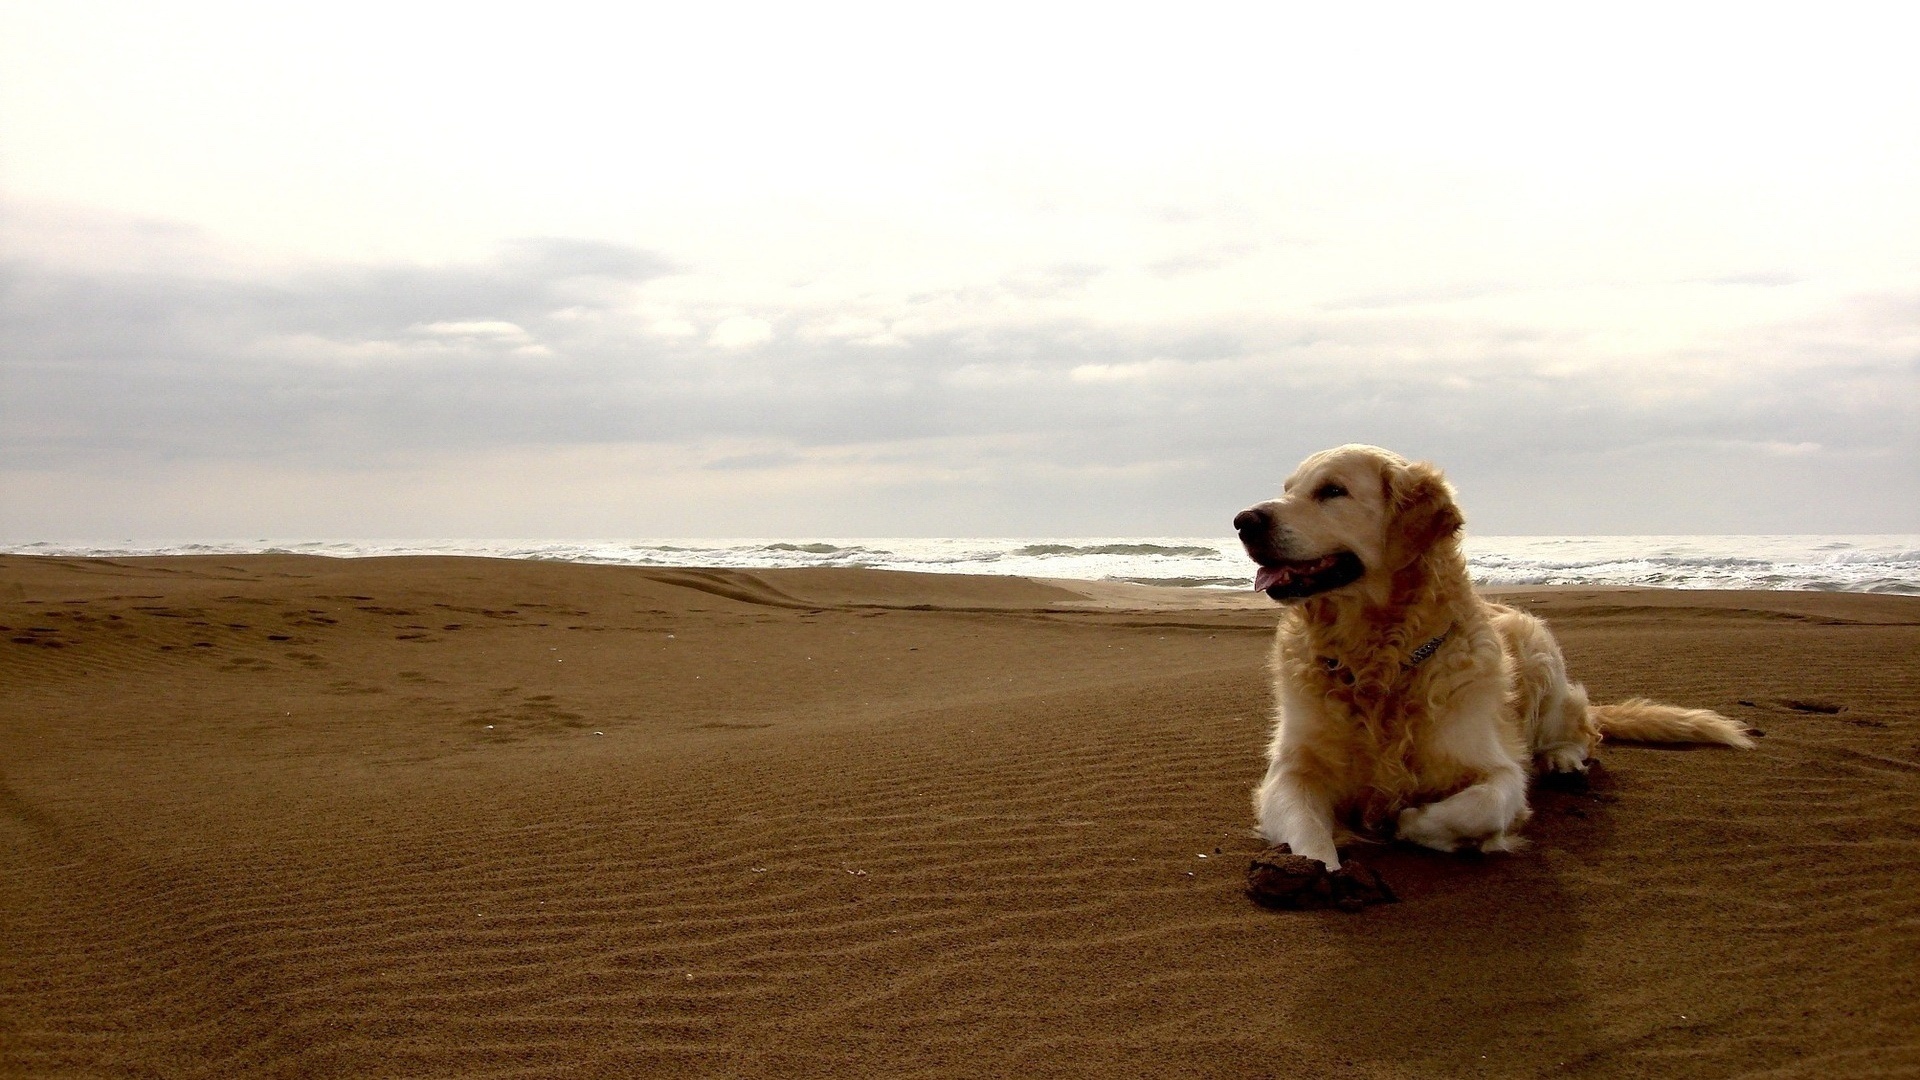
<point x="462" y="817"/>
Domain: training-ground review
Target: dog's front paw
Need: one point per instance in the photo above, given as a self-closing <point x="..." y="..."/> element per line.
<point x="1432" y="826"/>
<point x="1422" y="825"/>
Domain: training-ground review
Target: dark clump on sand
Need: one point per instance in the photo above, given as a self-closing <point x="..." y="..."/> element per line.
<point x="1277" y="878"/>
<point x="289" y="816"/>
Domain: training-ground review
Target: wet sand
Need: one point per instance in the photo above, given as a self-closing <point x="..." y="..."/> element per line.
<point x="290" y="816"/>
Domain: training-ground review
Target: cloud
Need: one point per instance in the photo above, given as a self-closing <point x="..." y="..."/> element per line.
<point x="993" y="416"/>
<point x="1444" y="294"/>
<point x="480" y="328"/>
<point x="561" y="259"/>
<point x="1195" y="262"/>
<point x="1098" y="373"/>
<point x="1763" y="278"/>
<point x="760" y="462"/>
<point x="741" y="332"/>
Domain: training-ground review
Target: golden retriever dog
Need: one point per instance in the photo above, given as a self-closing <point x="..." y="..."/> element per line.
<point x="1405" y="704"/>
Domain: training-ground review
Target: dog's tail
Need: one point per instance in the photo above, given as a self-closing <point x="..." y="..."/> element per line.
<point x="1641" y="720"/>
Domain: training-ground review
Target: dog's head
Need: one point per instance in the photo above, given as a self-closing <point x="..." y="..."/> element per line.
<point x="1346" y="514"/>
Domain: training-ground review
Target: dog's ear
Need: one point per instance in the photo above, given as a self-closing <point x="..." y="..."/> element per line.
<point x="1422" y="512"/>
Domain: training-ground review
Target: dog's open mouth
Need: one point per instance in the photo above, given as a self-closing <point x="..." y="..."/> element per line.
<point x="1289" y="580"/>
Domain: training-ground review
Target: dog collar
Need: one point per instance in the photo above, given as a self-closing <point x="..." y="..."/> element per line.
<point x="1419" y="656"/>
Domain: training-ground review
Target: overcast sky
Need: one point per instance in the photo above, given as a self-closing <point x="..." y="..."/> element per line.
<point x="570" y="271"/>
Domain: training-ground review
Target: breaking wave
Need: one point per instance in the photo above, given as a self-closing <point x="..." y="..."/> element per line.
<point x="1878" y="564"/>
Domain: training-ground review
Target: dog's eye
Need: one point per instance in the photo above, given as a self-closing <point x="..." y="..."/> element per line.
<point x="1329" y="491"/>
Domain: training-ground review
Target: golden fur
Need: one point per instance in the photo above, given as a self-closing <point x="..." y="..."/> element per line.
<point x="1374" y="737"/>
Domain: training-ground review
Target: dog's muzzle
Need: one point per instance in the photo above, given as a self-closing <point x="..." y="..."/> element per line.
<point x="1255" y="528"/>
<point x="1290" y="579"/>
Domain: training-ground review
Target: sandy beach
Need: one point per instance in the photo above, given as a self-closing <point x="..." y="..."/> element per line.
<point x="294" y="816"/>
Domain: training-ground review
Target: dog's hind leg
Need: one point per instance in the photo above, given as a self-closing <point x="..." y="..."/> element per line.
<point x="1565" y="734"/>
<point x="1551" y="709"/>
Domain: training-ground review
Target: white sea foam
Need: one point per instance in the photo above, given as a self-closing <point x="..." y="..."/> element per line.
<point x="1886" y="564"/>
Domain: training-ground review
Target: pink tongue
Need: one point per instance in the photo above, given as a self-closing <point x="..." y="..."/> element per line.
<point x="1266" y="577"/>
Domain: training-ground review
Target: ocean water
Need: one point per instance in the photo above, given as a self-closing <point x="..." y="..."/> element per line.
<point x="1880" y="564"/>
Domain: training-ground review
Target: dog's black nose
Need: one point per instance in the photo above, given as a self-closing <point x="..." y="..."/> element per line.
<point x="1254" y="520"/>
